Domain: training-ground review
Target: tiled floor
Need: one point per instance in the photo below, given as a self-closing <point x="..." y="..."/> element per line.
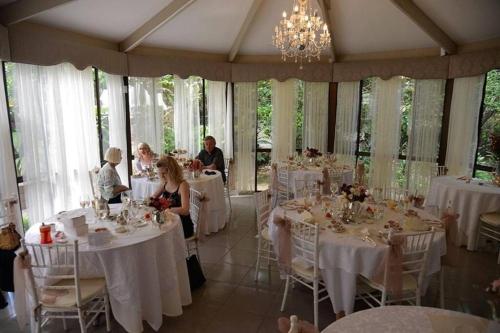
<point x="231" y="301"/>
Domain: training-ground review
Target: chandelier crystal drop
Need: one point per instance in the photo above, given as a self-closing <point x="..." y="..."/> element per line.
<point x="303" y="35"/>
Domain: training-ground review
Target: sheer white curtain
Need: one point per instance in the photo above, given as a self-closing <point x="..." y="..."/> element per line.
<point x="425" y="129"/>
<point x="315" y="132"/>
<point x="385" y="117"/>
<point x="464" y="117"/>
<point x="57" y="125"/>
<point x="8" y="181"/>
<point x="219" y="115"/>
<point x="245" y="109"/>
<point x="146" y="112"/>
<point x="229" y="121"/>
<point x="117" y="121"/>
<point x="284" y="105"/>
<point x="346" y="127"/>
<point x="187" y="114"/>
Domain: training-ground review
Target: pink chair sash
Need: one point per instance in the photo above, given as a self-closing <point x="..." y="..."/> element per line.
<point x="449" y="219"/>
<point x="394" y="258"/>
<point x="284" y="248"/>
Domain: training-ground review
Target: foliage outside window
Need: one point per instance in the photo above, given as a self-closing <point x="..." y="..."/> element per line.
<point x="490" y="124"/>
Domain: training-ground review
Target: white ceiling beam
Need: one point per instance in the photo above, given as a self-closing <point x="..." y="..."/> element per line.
<point x="244" y="28"/>
<point x="21" y="10"/>
<point x="325" y="7"/>
<point x="410" y="9"/>
<point x="165" y="15"/>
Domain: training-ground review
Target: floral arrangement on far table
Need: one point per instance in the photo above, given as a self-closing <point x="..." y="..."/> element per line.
<point x="311" y="152"/>
<point x="160" y="203"/>
<point x="354" y="192"/>
<point x="195" y="165"/>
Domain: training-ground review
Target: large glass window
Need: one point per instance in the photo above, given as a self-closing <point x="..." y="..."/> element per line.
<point x="486" y="159"/>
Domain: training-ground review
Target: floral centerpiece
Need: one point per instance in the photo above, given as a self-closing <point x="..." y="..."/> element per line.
<point x="354" y="192"/>
<point x="311" y="152"/>
<point x="160" y="203"/>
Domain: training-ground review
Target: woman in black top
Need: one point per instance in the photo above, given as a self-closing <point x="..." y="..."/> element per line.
<point x="175" y="189"/>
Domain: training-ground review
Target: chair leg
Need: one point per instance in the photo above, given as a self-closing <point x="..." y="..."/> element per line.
<point x="441" y="288"/>
<point x="383" y="298"/>
<point x="38" y="319"/>
<point x="257" y="264"/>
<point x="418" y="296"/>
<point x="81" y="319"/>
<point x="106" y="310"/>
<point x="285" y="293"/>
<point x="498" y="260"/>
<point x="315" y="297"/>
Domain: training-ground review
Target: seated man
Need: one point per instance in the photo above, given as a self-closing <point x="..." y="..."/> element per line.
<point x="212" y="157"/>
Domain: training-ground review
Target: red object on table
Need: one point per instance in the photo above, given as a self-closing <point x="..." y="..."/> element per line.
<point x="45" y="237"/>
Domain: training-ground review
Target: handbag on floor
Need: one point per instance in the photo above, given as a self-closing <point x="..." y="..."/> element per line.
<point x="196" y="277"/>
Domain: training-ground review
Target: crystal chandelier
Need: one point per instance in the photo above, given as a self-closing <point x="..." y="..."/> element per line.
<point x="296" y="36"/>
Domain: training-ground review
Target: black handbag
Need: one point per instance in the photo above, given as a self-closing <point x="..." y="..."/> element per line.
<point x="196" y="277"/>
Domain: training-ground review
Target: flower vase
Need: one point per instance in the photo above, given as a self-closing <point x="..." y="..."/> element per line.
<point x="196" y="174"/>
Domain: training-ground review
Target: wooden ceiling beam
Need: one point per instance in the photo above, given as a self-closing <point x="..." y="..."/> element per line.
<point x="165" y="15"/>
<point x="325" y="7"/>
<point x="21" y="10"/>
<point x="410" y="9"/>
<point x="243" y="29"/>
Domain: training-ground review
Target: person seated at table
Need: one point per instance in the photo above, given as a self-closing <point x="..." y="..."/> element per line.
<point x="144" y="158"/>
<point x="212" y="157"/>
<point x="176" y="190"/>
<point x="108" y="180"/>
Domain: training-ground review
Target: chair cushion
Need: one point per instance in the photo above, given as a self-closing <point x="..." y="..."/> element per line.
<point x="303" y="268"/>
<point x="90" y="288"/>
<point x="265" y="234"/>
<point x="409" y="284"/>
<point x="491" y="218"/>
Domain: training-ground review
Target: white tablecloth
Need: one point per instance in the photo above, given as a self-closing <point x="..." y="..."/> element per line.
<point x="214" y="214"/>
<point x="145" y="270"/>
<point x="343" y="256"/>
<point x="469" y="200"/>
<point x="315" y="173"/>
<point x="411" y="319"/>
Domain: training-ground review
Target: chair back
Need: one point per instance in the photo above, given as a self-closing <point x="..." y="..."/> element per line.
<point x="305" y="239"/>
<point x="439" y="170"/>
<point x="195" y="208"/>
<point x="93" y="182"/>
<point x="283" y="183"/>
<point x="262" y="207"/>
<point x="228" y="169"/>
<point x="415" y="251"/>
<point x="51" y="263"/>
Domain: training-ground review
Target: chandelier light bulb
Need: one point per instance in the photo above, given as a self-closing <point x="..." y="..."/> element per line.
<point x="296" y="8"/>
<point x="284" y="14"/>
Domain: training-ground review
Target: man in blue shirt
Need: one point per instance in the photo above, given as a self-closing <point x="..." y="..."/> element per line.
<point x="212" y="157"/>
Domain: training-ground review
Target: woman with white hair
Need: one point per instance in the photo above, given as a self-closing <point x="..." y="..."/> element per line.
<point x="144" y="158"/>
<point x="108" y="180"/>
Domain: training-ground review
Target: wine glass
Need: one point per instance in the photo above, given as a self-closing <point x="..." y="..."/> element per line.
<point x="84" y="201"/>
<point x="334" y="187"/>
<point x="126" y="198"/>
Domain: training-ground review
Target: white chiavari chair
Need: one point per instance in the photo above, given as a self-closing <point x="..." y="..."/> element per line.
<point x="195" y="211"/>
<point x="283" y="183"/>
<point x="228" y="169"/>
<point x="264" y="243"/>
<point x="415" y="251"/>
<point x="58" y="290"/>
<point x="93" y="181"/>
<point x="305" y="266"/>
<point x="489" y="227"/>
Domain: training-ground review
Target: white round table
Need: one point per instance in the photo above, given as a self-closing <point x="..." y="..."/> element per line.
<point x="342" y="256"/>
<point x="214" y="211"/>
<point x="134" y="295"/>
<point x="468" y="200"/>
<point x="411" y="319"/>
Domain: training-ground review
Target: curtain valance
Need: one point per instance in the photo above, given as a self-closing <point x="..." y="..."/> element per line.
<point x="317" y="72"/>
<point x="37" y="45"/>
<point x="474" y="63"/>
<point x="156" y="66"/>
<point x="416" y="68"/>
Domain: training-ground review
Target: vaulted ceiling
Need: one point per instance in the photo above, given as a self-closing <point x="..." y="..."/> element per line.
<point x="213" y="26"/>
